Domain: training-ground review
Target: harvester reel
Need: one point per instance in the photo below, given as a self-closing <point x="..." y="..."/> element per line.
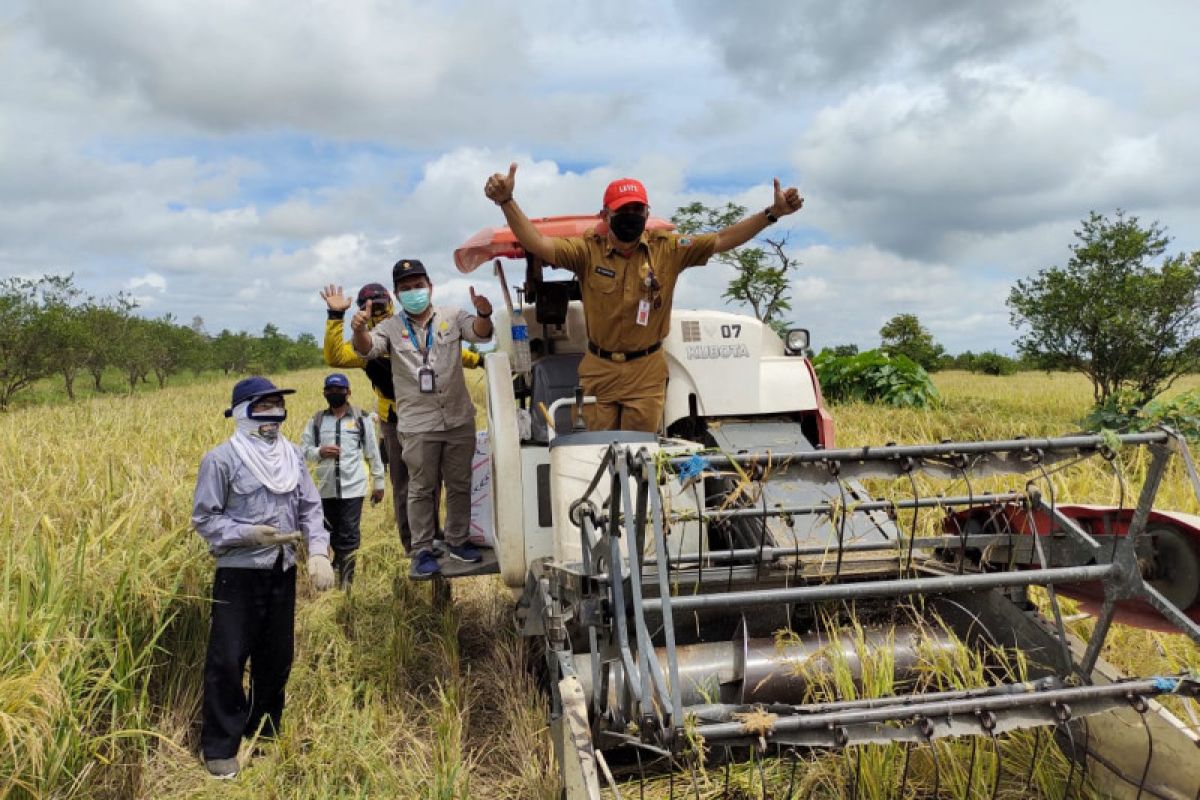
<point x="665" y="631"/>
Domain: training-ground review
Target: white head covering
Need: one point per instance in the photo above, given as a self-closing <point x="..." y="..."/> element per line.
<point x="274" y="463"/>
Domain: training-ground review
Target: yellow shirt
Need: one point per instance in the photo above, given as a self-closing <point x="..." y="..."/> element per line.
<point x="613" y="286"/>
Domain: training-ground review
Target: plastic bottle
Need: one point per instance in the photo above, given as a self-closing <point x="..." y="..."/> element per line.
<point x="520" y="349"/>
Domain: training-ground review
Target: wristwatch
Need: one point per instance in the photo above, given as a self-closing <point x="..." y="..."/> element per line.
<point x="771" y="218"/>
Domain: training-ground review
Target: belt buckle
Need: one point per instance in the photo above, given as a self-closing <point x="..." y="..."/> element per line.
<point x="618" y="357"/>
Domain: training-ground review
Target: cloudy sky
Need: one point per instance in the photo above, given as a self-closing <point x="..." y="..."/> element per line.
<point x="226" y="159"/>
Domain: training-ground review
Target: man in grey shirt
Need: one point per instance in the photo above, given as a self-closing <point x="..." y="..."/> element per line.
<point x="435" y="414"/>
<point x="254" y="502"/>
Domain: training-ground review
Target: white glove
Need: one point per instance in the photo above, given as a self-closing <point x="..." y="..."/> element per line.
<point x="320" y="572"/>
<point x="270" y="535"/>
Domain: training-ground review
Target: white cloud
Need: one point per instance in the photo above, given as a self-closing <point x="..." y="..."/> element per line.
<point x="245" y="154"/>
<point x="150" y="280"/>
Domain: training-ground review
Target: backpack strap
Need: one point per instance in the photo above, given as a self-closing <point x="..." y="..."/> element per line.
<point x="359" y="416"/>
<point x="316" y="427"/>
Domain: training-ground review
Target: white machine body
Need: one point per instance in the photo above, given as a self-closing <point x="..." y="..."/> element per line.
<point x="721" y="365"/>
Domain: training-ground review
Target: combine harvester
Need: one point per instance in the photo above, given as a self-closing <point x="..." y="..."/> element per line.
<point x="695" y="590"/>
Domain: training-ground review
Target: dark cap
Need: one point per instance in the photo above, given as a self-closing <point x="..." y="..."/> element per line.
<point x="373" y="291"/>
<point x="251" y="389"/>
<point x="407" y="268"/>
<point x="338" y="380"/>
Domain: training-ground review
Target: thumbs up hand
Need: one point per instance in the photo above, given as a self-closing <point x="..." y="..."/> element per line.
<point x="499" y="188"/>
<point x="361" y="317"/>
<point x="483" y="306"/>
<point x="787" y="201"/>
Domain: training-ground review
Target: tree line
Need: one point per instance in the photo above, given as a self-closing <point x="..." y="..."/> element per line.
<point x="49" y="327"/>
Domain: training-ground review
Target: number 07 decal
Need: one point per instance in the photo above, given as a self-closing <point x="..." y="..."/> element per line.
<point x="731" y="331"/>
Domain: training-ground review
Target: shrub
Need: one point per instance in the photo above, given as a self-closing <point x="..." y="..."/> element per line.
<point x="992" y="363"/>
<point x="1126" y="412"/>
<point x="874" y="376"/>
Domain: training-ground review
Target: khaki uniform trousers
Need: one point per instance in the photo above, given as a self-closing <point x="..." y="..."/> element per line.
<point x="629" y="395"/>
<point x="398" y="472"/>
<point x="433" y="458"/>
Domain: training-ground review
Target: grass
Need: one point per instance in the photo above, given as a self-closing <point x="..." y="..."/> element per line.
<point x="103" y="620"/>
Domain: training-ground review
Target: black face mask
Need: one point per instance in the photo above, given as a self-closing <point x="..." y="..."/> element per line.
<point x="627" y="227"/>
<point x="335" y="399"/>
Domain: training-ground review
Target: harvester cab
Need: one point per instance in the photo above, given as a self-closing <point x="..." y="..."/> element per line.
<point x="736" y="587"/>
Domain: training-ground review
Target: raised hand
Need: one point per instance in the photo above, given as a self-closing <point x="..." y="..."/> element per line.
<point x="499" y="188"/>
<point x="787" y="201"/>
<point x="483" y="306"/>
<point x="361" y="317"/>
<point x="335" y="298"/>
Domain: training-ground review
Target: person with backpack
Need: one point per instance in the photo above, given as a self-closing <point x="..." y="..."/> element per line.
<point x="338" y="438"/>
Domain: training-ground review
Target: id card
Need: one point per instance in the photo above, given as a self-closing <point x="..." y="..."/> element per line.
<point x="425" y="380"/>
<point x="643" y="315"/>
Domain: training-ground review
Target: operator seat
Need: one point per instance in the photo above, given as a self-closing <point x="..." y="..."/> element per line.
<point x="554" y="375"/>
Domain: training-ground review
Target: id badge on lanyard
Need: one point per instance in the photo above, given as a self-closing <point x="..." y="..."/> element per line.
<point x="649" y="293"/>
<point x="426" y="382"/>
<point x="643" y="312"/>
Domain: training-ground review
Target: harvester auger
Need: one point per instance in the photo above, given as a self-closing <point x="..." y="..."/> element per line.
<point x="731" y="590"/>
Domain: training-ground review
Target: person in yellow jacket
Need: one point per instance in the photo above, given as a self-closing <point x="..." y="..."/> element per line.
<point x="340" y="353"/>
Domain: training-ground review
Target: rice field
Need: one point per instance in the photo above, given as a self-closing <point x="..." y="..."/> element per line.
<point x="103" y="619"/>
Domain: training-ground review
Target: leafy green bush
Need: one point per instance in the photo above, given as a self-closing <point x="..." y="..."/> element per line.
<point x="874" y="376"/>
<point x="1126" y="411"/>
<point x="992" y="363"/>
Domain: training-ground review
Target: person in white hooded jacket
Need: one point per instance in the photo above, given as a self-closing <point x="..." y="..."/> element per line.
<point x="254" y="502"/>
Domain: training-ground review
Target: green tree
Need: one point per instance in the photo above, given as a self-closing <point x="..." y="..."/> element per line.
<point x="137" y="349"/>
<point x="63" y="332"/>
<point x="1110" y="313"/>
<point x="904" y="335"/>
<point x="762" y="275"/>
<point x="104" y="324"/>
<point x="24" y="357"/>
<point x="233" y="352"/>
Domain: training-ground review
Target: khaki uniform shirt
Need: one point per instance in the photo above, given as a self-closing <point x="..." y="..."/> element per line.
<point x="614" y="285"/>
<point x="449" y="406"/>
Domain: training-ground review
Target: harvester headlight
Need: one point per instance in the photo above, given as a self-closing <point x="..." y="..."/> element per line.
<point x="796" y="341"/>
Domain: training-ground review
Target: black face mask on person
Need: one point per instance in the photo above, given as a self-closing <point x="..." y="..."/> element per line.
<point x="335" y="399"/>
<point x="626" y="226"/>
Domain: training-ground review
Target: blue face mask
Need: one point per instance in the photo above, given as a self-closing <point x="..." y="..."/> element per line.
<point x="415" y="301"/>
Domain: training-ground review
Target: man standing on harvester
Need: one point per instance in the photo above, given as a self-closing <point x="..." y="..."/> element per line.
<point x="627" y="276"/>
<point x="436" y="416"/>
<point x="340" y="353"/>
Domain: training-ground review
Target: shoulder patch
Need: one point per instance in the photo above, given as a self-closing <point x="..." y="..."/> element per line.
<point x="685" y="241"/>
<point x="605" y="271"/>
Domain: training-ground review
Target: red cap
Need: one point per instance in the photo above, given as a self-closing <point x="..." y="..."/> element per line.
<point x="623" y="191"/>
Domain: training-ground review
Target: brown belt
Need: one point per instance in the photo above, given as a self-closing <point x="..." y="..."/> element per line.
<point x="595" y="349"/>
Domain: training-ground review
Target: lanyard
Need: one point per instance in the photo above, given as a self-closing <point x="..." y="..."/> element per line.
<point x="428" y="338"/>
